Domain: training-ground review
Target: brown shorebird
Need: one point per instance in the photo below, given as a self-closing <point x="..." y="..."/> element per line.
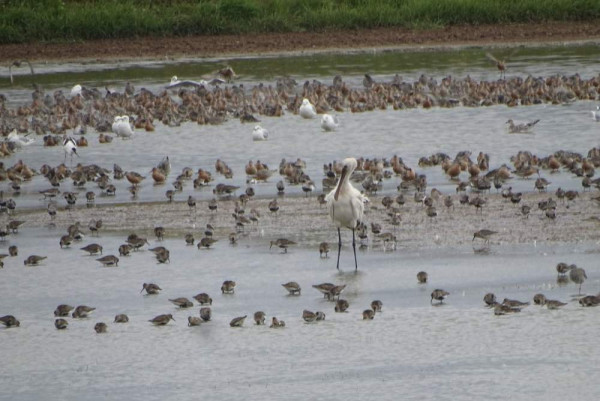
<point x="109" y="260"/>
<point x="500" y="64"/>
<point x="336" y="290"/>
<point x="422" y="277"/>
<point x="539" y="299"/>
<point x="125" y="249"/>
<point x="100" y="327"/>
<point x="82" y="311"/>
<point x="194" y="321"/>
<point x="368" y="314"/>
<point x="63" y="310"/>
<point x="228" y="287"/>
<point x="513" y="303"/>
<point x="376" y="305"/>
<point x="324" y="288"/>
<point x="121" y="318"/>
<point x="309" y="316"/>
<point x="237" y="321"/>
<point x="10" y="321"/>
<point x="562" y="268"/>
<point x="439" y="295"/>
<point x="33" y="260"/>
<point x="554" y="304"/>
<point x="501" y="309"/>
<point x="259" y="317"/>
<point x="275" y="323"/>
<point x="206" y="242"/>
<point x="205" y="313"/>
<point x="65" y="241"/>
<point x="61" y="324"/>
<point x="341" y="305"/>
<point x="589" y="300"/>
<point x="578" y="276"/>
<point x="203" y="299"/>
<point x="181" y="302"/>
<point x="151" y="288"/>
<point x="282" y="243"/>
<point x="162" y="320"/>
<point x="292" y="287"/>
<point x="484" y="235"/>
<point x="93" y="249"/>
<point x="134" y="178"/>
<point x="324" y="249"/>
<point x="490" y="299"/>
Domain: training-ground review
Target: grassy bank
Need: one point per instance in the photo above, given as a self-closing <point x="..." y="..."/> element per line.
<point x="76" y="20"/>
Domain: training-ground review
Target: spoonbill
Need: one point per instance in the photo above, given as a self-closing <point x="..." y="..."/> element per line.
<point x="346" y="205"/>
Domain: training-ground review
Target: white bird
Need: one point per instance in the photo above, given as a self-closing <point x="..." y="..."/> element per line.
<point x="596" y="114"/>
<point x="123" y="128"/>
<point x="259" y="134"/>
<point x="346" y="205"/>
<point x="76" y="90"/>
<point x="329" y="122"/>
<point x="176" y="83"/>
<point x="307" y="110"/>
<point x="70" y="147"/>
<point x="18" y="141"/>
<point x="115" y="124"/>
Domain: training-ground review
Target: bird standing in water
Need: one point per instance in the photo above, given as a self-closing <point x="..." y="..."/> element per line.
<point x="346" y="205"/>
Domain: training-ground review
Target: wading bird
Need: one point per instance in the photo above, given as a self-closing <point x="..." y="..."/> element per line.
<point x="346" y="206"/>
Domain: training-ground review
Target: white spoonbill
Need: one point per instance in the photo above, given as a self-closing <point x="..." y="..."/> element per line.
<point x="346" y="205"/>
<point x="329" y="122"/>
<point x="307" y="110"/>
<point x="260" y="134"/>
<point x="70" y="147"/>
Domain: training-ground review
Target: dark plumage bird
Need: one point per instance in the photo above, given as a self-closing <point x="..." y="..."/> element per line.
<point x="439" y="295"/>
<point x="10" y="321"/>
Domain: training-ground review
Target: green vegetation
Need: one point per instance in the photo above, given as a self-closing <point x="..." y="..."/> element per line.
<point x="76" y="20"/>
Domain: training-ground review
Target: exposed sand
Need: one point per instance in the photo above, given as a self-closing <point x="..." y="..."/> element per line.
<point x="305" y="221"/>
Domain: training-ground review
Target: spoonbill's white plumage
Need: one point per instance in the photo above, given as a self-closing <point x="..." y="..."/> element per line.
<point x="260" y="134"/>
<point x="19" y="141"/>
<point x="70" y="147"/>
<point x="329" y="122"/>
<point x="596" y="114"/>
<point x="346" y="205"/>
<point x="76" y="90"/>
<point x="307" y="110"/>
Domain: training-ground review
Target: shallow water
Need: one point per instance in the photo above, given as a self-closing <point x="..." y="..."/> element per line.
<point x="412" y="349"/>
<point x="459" y="350"/>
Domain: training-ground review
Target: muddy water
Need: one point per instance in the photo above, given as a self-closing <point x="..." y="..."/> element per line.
<point x="412" y="349"/>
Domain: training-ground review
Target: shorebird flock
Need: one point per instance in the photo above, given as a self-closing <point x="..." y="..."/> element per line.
<point x="52" y="117"/>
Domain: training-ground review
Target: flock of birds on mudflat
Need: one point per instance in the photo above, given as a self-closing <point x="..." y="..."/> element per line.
<point x="52" y="116"/>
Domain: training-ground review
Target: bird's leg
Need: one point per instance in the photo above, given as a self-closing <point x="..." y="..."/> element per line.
<point x="339" y="248"/>
<point x="354" y="249"/>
